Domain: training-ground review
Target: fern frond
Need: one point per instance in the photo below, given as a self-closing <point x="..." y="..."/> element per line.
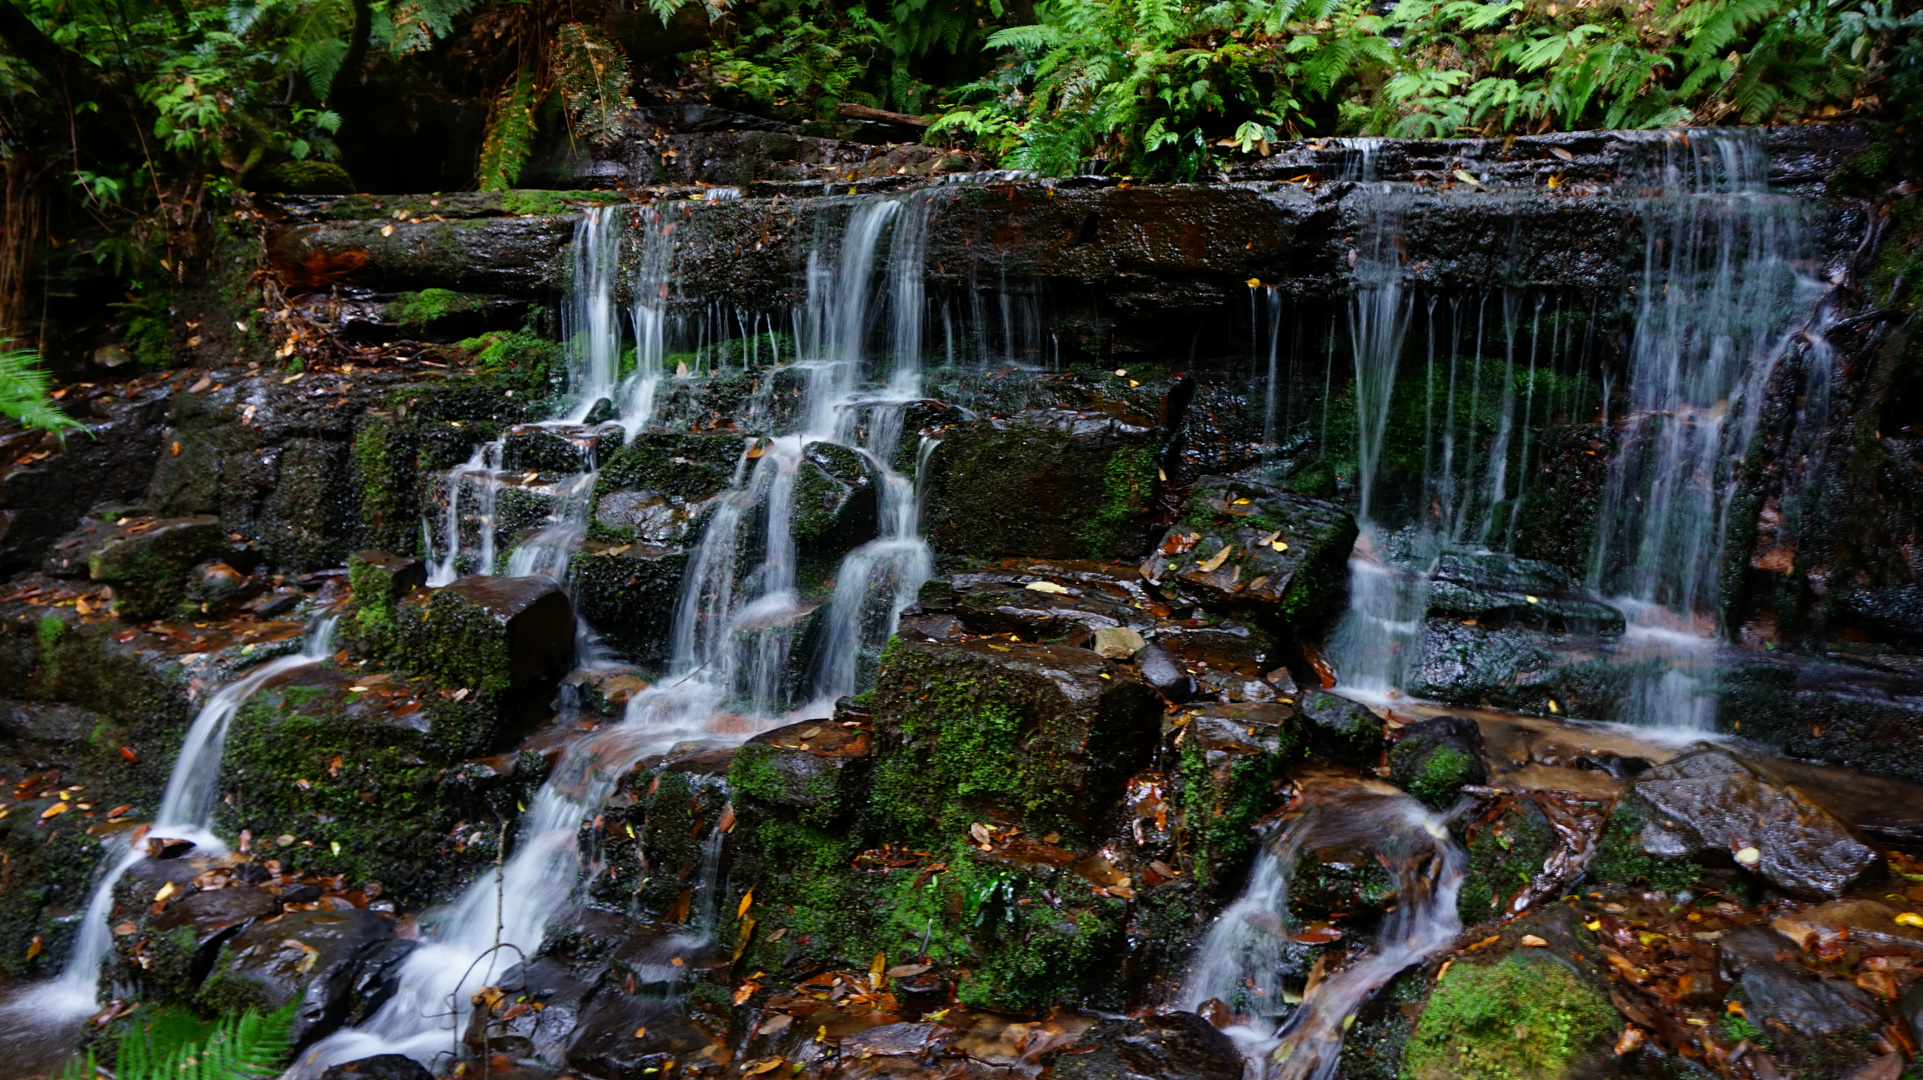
<point x="510" y="134"/>
<point x="23" y="393"/>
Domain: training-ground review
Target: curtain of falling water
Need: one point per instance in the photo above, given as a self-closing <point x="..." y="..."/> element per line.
<point x="722" y="658"/>
<point x="1718" y="304"/>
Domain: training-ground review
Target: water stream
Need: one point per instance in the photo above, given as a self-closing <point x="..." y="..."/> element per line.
<point x="186" y="813"/>
<point x="733" y="631"/>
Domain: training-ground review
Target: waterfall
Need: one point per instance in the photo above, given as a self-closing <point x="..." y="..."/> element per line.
<point x="1716" y="307"/>
<point x="1245" y="965"/>
<point x="732" y="631"/>
<point x="1376" y="638"/>
<point x="186" y="813"/>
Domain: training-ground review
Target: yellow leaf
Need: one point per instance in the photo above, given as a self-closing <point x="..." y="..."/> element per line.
<point x="1254" y="283"/>
<point x="1214" y="562"/>
<point x="1464" y="176"/>
<point x="640" y="1032"/>
<point x="166" y="891"/>
<point x="747" y="901"/>
<point x="34" y="947"/>
<point x="1909" y="918"/>
<point x="1047" y="587"/>
<point x="55" y="810"/>
<point x="1532" y="941"/>
<point x="1555" y="180"/>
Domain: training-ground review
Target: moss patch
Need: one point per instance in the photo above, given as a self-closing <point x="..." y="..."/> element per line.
<point x="1518" y="1019"/>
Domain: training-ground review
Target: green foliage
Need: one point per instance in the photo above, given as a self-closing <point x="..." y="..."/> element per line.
<point x="1620" y="858"/>
<point x="1519" y="1019"/>
<point x="23" y="392"/>
<point x="510" y="133"/>
<point x="172" y="1044"/>
<point x="591" y="75"/>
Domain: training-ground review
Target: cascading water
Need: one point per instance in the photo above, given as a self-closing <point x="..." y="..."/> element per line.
<point x="731" y="634"/>
<point x="186" y="812"/>
<point x="1289" y="1021"/>
<point x="1717" y="306"/>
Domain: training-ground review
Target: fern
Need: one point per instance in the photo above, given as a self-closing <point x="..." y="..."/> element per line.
<point x="170" y="1044"/>
<point x="23" y="393"/>
<point x="510" y="133"/>
<point x="592" y="76"/>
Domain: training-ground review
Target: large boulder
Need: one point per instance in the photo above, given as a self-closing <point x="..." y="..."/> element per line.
<point x="330" y="961"/>
<point x="496" y="634"/>
<point x="1711" y="800"/>
<point x="1163" y="1046"/>
<point x="147" y="561"/>
<point x="1243" y="545"/>
<point x="1049" y="483"/>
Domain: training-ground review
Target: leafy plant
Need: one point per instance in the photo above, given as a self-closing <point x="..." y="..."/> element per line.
<point x="23" y="392"/>
<point x="170" y="1044"/>
<point x="510" y="133"/>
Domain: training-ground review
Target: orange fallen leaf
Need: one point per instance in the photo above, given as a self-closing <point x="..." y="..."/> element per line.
<point x="1533" y="942"/>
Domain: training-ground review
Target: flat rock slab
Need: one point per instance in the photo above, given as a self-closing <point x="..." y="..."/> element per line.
<point x="1246" y="545"/>
<point x="1710" y="800"/>
<point x="529" y="620"/>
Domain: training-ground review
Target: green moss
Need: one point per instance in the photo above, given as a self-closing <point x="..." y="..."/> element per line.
<point x="1739" y="1029"/>
<point x="1128" y="486"/>
<point x="1620" y="858"/>
<point x="47" y="632"/>
<point x="1518" y="1019"/>
<point x="1504" y="857"/>
<point x="1433" y="772"/>
<point x="309" y="178"/>
<point x="1221" y="800"/>
<point x="539" y="202"/>
<point x="419" y="309"/>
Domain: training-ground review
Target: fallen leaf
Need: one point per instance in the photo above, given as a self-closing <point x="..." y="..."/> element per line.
<point x="1561" y="153"/>
<point x="906" y="971"/>
<point x="1464" y="176"/>
<point x="34" y="947"/>
<point x="1532" y="941"/>
<point x="763" y="1066"/>
<point x="640" y="1032"/>
<point x="1215" y="561"/>
<point x="1909" y="918"/>
<point x="747" y="901"/>
<point x="774" y="1023"/>
<point x="1046" y="587"/>
<point x="128" y="753"/>
<point x="55" y="810"/>
<point x="1630" y="1040"/>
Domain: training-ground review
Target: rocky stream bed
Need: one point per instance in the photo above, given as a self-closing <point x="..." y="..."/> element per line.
<point x="814" y="611"/>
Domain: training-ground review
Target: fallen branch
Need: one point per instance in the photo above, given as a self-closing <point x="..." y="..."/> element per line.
<point x="848" y="110"/>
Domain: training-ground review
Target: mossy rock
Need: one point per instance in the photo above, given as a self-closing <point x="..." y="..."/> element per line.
<point x="308" y="178"/>
<point x="651" y="842"/>
<point x="498" y="635"/>
<point x="1506" y="852"/>
<point x="1042" y="735"/>
<point x="1231" y="758"/>
<point x="380" y="579"/>
<point x="1340" y="729"/>
<point x="1250" y="547"/>
<point x="630" y="594"/>
<point x="1435" y="758"/>
<point x="147" y="564"/>
<point x="835" y="502"/>
<point x="816" y="767"/>
<point x="1621" y="860"/>
<point x="366" y="781"/>
<point x="1041" y="486"/>
<point x="1521" y="1018"/>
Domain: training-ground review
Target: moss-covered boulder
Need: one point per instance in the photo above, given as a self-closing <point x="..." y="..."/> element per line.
<point x="1341" y="730"/>
<point x="1433" y="759"/>
<point x="560" y="448"/>
<point x="1520" y="1018"/>
<point x="1501" y="590"/>
<point x="815" y="767"/>
<point x="147" y="561"/>
<point x="1047" y="484"/>
<point x="498" y="634"/>
<point x="1242" y="545"/>
<point x="1231" y="760"/>
<point x="1168" y="1046"/>
<point x="363" y="775"/>
<point x="659" y="841"/>
<point x="836" y="496"/>
<point x="326" y="960"/>
<point x="380" y="580"/>
<point x="1036" y="735"/>
<point x="659" y="487"/>
<point x="631" y="594"/>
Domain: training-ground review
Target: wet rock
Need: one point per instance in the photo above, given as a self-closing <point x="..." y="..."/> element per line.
<point x="1165" y="1046"/>
<point x="1045" y="601"/>
<point x="1804" y="1003"/>
<point x="897" y="1040"/>
<point x="1497" y="590"/>
<point x="605" y="1044"/>
<point x="1245" y="545"/>
<point x="513" y="256"/>
<point x="382" y="576"/>
<point x="1860" y="713"/>
<point x="379" y="1067"/>
<point x="1161" y="670"/>
<point x="1231" y="758"/>
<point x="560" y="448"/>
<point x="1434" y="758"/>
<point x="564" y="992"/>
<point x="498" y="633"/>
<point x="629" y="593"/>
<point x="1867" y="922"/>
<point x="1341" y="729"/>
<point x="1748" y="946"/>
<point x="658" y="488"/>
<point x="1117" y="643"/>
<point x="1710" y="800"/>
<point x="316" y="957"/>
<point x="1054" y="484"/>
<point x="806" y="766"/>
<point x="836" y="495"/>
<point x="213" y="585"/>
<point x="45" y="502"/>
<point x="147" y="562"/>
<point x="1910" y="1009"/>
